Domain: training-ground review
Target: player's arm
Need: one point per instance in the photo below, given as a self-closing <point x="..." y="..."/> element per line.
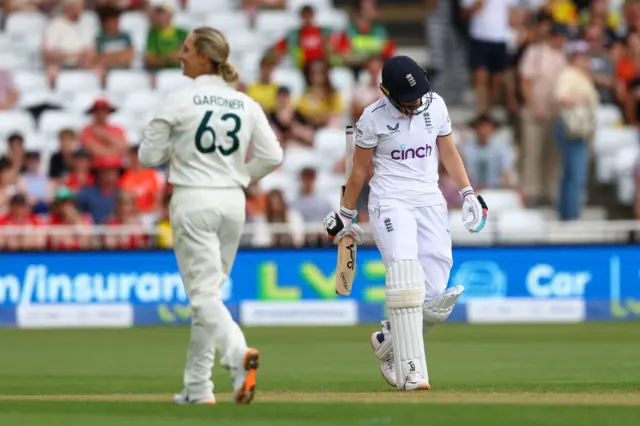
<point x="452" y="160"/>
<point x="155" y="148"/>
<point x="359" y="174"/>
<point x="267" y="152"/>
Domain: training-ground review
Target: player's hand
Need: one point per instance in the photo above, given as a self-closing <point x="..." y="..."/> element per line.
<point x="340" y="224"/>
<point x="474" y="210"/>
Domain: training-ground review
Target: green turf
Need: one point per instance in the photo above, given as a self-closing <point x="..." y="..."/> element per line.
<point x="593" y="357"/>
<point x="156" y="414"/>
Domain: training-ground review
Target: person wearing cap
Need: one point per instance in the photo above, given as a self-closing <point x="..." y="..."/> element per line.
<point x="488" y="161"/>
<point x="204" y="131"/>
<point x="104" y="140"/>
<point x="577" y="98"/>
<point x="164" y="38"/>
<point x="67" y="44"/>
<point x="406" y="134"/>
<point x="539" y="156"/>
<point x="20" y="215"/>
<point x="65" y="214"/>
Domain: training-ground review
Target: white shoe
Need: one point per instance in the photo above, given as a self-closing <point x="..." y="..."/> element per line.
<point x="386" y="362"/>
<point x="244" y="378"/>
<point x="182" y="398"/>
<point x="416" y="381"/>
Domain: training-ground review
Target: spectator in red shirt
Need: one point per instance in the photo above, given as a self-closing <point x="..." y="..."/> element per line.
<point x="20" y="215"/>
<point x="104" y="141"/>
<point x="308" y="43"/>
<point x="147" y="185"/>
<point x="77" y="236"/>
<point x="80" y="174"/>
<point x="127" y="219"/>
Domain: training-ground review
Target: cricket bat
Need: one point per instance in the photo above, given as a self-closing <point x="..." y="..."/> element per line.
<point x="347" y="247"/>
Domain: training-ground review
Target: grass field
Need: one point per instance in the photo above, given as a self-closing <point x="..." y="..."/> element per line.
<point x="585" y="374"/>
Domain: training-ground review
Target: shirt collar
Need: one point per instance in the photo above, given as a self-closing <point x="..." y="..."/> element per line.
<point x="395" y="112"/>
<point x="210" y="79"/>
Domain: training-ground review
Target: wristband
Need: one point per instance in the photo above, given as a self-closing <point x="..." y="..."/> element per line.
<point x="348" y="214"/>
<point x="465" y="192"/>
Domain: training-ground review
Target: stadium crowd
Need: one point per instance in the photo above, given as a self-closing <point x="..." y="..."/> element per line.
<point x="553" y="66"/>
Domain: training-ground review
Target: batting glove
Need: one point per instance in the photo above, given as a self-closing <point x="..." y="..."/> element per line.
<point x="343" y="223"/>
<point x="474" y="210"/>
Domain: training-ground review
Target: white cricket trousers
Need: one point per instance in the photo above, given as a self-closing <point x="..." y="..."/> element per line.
<point x="415" y="233"/>
<point x="207" y="225"/>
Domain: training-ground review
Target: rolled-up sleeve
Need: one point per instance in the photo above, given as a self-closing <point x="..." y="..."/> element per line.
<point x="155" y="148"/>
<point x="267" y="152"/>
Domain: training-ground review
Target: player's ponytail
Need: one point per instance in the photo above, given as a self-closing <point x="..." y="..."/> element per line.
<point x="229" y="73"/>
<point x="212" y="43"/>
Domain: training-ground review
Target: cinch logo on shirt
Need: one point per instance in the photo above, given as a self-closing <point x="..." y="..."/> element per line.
<point x="409" y="154"/>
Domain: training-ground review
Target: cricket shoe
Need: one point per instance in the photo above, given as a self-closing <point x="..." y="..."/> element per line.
<point x="183" y="398"/>
<point x="384" y="352"/>
<point x="416" y="381"/>
<point x="244" y="377"/>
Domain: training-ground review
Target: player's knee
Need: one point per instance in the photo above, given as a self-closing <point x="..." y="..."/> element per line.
<point x="405" y="284"/>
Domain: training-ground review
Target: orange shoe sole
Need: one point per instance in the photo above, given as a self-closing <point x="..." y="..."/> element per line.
<point x="248" y="390"/>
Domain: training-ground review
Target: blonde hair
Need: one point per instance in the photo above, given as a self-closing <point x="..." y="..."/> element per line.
<point x="213" y="44"/>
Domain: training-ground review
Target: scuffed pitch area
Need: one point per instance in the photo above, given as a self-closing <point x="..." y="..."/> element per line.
<point x="445" y="397"/>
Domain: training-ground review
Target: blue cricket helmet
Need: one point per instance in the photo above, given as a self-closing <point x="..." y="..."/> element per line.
<point x="404" y="81"/>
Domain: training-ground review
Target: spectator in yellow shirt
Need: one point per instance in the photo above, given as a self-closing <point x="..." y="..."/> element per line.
<point x="265" y="91"/>
<point x="321" y="105"/>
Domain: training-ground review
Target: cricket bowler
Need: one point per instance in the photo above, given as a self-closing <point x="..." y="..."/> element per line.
<point x="205" y="130"/>
<point x="405" y="134"/>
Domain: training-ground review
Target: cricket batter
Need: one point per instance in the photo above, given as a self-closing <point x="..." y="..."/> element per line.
<point x="406" y="133"/>
<point x="205" y="131"/>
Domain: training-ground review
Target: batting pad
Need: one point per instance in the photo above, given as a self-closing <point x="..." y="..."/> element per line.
<point x="405" y="297"/>
<point x="439" y="308"/>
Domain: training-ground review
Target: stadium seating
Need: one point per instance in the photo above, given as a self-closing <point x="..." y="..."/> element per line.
<point x="127" y="81"/>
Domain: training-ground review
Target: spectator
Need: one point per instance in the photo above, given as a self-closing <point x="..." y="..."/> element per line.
<point x="287" y="122"/>
<point x="364" y="39"/>
<point x="446" y="32"/>
<point x="104" y="141"/>
<point x="20" y="215"/>
<point x="539" y="70"/>
<point x="35" y="184"/>
<point x="264" y="91"/>
<point x="146" y="185"/>
<point x="278" y="216"/>
<point x="16" y="152"/>
<point x="163" y="226"/>
<point x="76" y="234"/>
<point x="628" y="80"/>
<point x="308" y="43"/>
<point x="311" y="206"/>
<point x="256" y="201"/>
<point x="489" y="31"/>
<point x="488" y="161"/>
<point x="99" y="200"/>
<point x="598" y="14"/>
<point x="67" y="43"/>
<point x="114" y="46"/>
<point x="577" y="98"/>
<point x="637" y="197"/>
<point x="366" y="94"/>
<point x="321" y="104"/>
<point x="563" y="12"/>
<point x="80" y="174"/>
<point x="127" y="231"/>
<point x="61" y="162"/>
<point x="7" y="183"/>
<point x="8" y="90"/>
<point x="601" y="65"/>
<point x="164" y="39"/>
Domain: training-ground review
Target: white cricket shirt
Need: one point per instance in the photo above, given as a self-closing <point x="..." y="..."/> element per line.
<point x="405" y="160"/>
<point x="205" y="131"/>
<point x="491" y="23"/>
